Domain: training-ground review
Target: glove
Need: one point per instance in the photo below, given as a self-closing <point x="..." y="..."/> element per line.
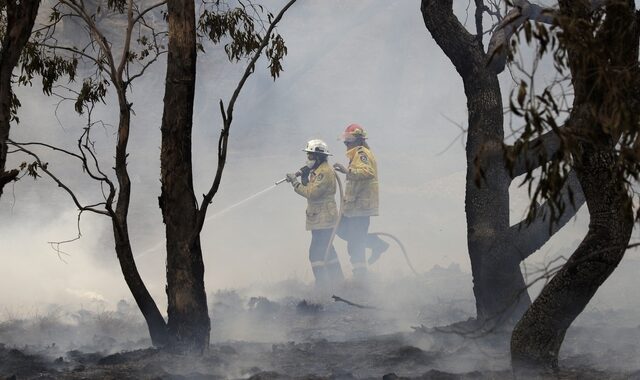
<point x="304" y="171"/>
<point x="304" y="174"/>
<point x="340" y="168"/>
<point x="291" y="177"/>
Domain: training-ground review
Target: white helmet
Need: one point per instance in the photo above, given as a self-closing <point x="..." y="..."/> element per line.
<point x="317" y="146"/>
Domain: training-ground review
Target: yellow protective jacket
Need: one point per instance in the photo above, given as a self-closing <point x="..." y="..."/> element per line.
<point x="320" y="192"/>
<point x="361" y="194"/>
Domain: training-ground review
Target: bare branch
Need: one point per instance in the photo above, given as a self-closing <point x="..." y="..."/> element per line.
<point x="99" y="37"/>
<point x="55" y="245"/>
<point x="495" y="12"/>
<point x="145" y="67"/>
<point x="529" y="236"/>
<point x="127" y="41"/>
<point x="340" y="299"/>
<point x="456" y="42"/>
<point x="152" y="7"/>
<point x="85" y="144"/>
<point x="480" y="7"/>
<point x="522" y="12"/>
<point x="73" y="196"/>
<point x="460" y="136"/>
<point x="227" y="116"/>
<point x="539" y="151"/>
<point x="19" y="145"/>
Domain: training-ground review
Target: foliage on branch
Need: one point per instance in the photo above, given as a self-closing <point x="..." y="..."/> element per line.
<point x="31" y="169"/>
<point x="51" y="57"/>
<point x="92" y="91"/>
<point x="117" y="5"/>
<point x="610" y="98"/>
<point x="242" y="28"/>
<point x="38" y="61"/>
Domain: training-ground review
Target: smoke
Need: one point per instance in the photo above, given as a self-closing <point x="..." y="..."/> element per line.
<point x="373" y="63"/>
<point x="333" y="76"/>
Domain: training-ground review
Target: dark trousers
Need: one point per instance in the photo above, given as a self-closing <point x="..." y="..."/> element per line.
<point x="329" y="271"/>
<point x="355" y="230"/>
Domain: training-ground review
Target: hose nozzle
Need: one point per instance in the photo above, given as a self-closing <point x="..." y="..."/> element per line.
<point x="302" y="172"/>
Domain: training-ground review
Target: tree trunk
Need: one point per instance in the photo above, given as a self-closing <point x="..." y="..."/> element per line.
<point x="601" y="110"/>
<point x="537" y="337"/>
<point x="189" y="323"/>
<point x="496" y="249"/>
<point x="499" y="286"/>
<point x="155" y="322"/>
<point x="21" y="16"/>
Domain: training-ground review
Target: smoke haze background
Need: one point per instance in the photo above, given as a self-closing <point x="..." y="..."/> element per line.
<point x="367" y="62"/>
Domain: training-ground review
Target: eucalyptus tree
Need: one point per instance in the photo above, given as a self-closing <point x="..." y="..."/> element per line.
<point x="111" y="64"/>
<point x="116" y="64"/>
<point x="183" y="218"/>
<point x="496" y="248"/>
<point x="595" y="46"/>
<point x="16" y="22"/>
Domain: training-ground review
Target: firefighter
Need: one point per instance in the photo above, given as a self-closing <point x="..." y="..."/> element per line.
<point x="360" y="201"/>
<point x="319" y="187"/>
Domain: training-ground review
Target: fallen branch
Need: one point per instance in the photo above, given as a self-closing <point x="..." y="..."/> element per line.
<point x="340" y="299"/>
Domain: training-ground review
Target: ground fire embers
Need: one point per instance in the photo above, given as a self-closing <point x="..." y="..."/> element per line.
<point x="132" y="356"/>
<point x="409" y="355"/>
<point x="16" y="363"/>
<point x="304" y="307"/>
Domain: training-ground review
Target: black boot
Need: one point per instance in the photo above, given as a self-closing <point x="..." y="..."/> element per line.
<point x="380" y="247"/>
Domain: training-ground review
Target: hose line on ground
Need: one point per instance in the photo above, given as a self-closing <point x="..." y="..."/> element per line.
<point x="404" y="251"/>
<point x="335" y="229"/>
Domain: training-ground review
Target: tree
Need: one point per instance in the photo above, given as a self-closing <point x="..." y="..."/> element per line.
<point x="187" y="328"/>
<point x="597" y="44"/>
<point x="17" y="21"/>
<point x="119" y="69"/>
<point x="496" y="248"/>
<point x="188" y="317"/>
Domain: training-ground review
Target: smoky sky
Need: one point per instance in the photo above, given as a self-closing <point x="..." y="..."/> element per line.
<point x="367" y="62"/>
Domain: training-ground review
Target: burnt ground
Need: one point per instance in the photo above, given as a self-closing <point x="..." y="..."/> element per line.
<point x="309" y="336"/>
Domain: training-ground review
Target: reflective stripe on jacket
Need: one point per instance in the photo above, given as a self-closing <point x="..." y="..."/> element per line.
<point x="320" y="192"/>
<point x="361" y="194"/>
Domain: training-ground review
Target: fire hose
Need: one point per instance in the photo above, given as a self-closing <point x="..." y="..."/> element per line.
<point x="335" y="227"/>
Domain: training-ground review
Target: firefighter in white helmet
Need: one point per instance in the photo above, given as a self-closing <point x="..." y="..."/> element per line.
<point x="319" y="187"/>
<point x="360" y="200"/>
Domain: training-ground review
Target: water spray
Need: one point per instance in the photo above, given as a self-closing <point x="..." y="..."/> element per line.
<point x="304" y="171"/>
<point x="224" y="211"/>
<point x="259" y="193"/>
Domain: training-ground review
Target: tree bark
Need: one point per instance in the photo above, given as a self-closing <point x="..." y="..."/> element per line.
<point x="499" y="286"/>
<point x="21" y="16"/>
<point x="119" y="217"/>
<point x="612" y="53"/>
<point x="537" y="337"/>
<point x="189" y="323"/>
<point x="155" y="322"/>
<point x="495" y="248"/>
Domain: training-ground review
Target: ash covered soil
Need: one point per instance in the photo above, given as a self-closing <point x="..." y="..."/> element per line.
<point x="290" y="330"/>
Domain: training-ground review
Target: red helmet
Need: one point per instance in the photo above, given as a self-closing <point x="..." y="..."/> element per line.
<point x="353" y="133"/>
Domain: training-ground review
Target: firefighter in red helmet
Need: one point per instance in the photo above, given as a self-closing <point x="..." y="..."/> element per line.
<point x="360" y="200"/>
